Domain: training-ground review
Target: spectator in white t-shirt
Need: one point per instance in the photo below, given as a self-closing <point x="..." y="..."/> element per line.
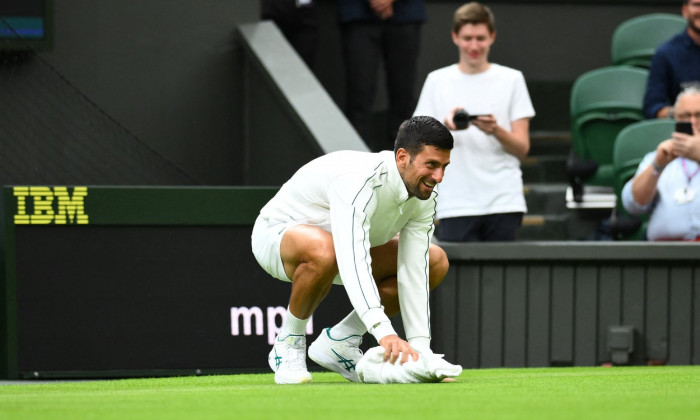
<point x="482" y="199"/>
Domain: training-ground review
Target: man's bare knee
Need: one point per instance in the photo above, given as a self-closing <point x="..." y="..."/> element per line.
<point x="309" y="251"/>
<point x="322" y="258"/>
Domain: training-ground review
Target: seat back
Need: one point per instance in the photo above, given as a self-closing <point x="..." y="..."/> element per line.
<point x="631" y="145"/>
<point x="603" y="102"/>
<point x="635" y="40"/>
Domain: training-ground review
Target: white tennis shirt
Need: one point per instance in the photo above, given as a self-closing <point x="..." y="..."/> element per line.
<point x="361" y="199"/>
<point x="482" y="177"/>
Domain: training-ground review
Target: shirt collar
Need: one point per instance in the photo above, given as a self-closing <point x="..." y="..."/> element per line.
<point x="688" y="42"/>
<point x="394" y="177"/>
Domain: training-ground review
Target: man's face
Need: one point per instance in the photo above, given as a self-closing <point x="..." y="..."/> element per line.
<point x="691" y="11"/>
<point x="424" y="172"/>
<point x="474" y="43"/>
<point x="688" y="109"/>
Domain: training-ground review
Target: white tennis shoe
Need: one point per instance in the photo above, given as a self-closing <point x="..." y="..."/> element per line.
<point x="288" y="360"/>
<point x="338" y="355"/>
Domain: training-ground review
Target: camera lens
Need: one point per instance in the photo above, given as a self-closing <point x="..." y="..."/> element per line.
<point x="461" y="119"/>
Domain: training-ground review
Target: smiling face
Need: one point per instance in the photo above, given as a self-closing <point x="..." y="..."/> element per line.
<point x="474" y="43"/>
<point x="424" y="171"/>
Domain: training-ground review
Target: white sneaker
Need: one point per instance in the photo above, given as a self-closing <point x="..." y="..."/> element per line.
<point x="288" y="360"/>
<point x="337" y="355"/>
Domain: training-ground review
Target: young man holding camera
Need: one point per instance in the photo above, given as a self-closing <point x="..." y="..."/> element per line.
<point x="482" y="200"/>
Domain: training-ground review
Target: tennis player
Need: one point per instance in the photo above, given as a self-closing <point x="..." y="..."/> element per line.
<point x="364" y="220"/>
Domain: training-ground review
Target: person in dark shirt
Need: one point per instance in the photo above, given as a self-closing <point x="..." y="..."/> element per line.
<point x="675" y="66"/>
<point x="372" y="32"/>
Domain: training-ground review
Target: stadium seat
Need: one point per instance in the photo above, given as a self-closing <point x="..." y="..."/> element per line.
<point x="635" y="40"/>
<point x="631" y="144"/>
<point x="603" y="101"/>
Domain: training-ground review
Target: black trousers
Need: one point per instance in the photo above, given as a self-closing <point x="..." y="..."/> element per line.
<point x="298" y="24"/>
<point x="486" y="228"/>
<point x="365" y="46"/>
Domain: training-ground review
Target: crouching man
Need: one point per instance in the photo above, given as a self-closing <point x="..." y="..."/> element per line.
<point x="364" y="220"/>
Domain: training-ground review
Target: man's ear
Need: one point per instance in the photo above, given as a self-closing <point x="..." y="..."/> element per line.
<point x="402" y="157"/>
<point x="455" y="39"/>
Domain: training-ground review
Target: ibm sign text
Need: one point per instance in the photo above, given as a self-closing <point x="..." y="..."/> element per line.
<point x="46" y="205"/>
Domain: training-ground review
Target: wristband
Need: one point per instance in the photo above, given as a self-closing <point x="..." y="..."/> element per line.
<point x="657" y="169"/>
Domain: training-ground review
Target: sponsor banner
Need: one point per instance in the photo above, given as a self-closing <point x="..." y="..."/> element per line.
<point x="145" y="298"/>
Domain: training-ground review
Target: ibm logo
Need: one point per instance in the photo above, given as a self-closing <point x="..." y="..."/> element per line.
<point x="50" y="205"/>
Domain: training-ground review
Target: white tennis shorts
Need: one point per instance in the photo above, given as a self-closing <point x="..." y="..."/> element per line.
<point x="265" y="240"/>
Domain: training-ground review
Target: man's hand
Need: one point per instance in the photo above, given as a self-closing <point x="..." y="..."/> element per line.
<point x="486" y="123"/>
<point x="449" y="123"/>
<point x="382" y="8"/>
<point x="395" y="347"/>
<point x="644" y="184"/>
<point x="665" y="152"/>
<point x="687" y="146"/>
<point x="665" y="112"/>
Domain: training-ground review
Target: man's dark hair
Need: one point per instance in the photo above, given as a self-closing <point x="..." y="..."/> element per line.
<point x="420" y="131"/>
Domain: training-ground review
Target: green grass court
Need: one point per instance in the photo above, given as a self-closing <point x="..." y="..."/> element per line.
<point x="534" y="393"/>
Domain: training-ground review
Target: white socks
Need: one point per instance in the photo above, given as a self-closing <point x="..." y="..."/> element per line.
<point x="292" y="326"/>
<point x="350" y="325"/>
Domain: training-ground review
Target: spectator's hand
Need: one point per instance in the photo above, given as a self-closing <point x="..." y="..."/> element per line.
<point x="486" y="123"/>
<point x="665" y="152"/>
<point x="448" y="119"/>
<point x="687" y="146"/>
<point x="395" y="347"/>
<point x="382" y="8"/>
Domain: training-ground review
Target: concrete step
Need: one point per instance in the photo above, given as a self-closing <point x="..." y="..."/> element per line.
<point x="546" y="198"/>
<point x="549" y="217"/>
<point x="541" y="227"/>
<point x="563" y="227"/>
<point x="546" y="161"/>
<point x="543" y="169"/>
<point x="557" y="143"/>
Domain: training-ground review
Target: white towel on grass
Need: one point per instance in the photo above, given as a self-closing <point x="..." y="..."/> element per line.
<point x="429" y="367"/>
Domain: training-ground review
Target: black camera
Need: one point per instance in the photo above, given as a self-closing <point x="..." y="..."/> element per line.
<point x="461" y="119"/>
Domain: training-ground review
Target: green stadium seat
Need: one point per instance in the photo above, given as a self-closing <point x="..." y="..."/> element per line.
<point x="631" y="144"/>
<point x="603" y="102"/>
<point x="635" y="40"/>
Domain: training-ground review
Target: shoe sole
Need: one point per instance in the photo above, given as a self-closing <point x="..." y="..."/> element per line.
<point x="283" y="382"/>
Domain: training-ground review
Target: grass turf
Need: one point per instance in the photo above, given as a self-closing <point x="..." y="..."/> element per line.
<point x="670" y="392"/>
